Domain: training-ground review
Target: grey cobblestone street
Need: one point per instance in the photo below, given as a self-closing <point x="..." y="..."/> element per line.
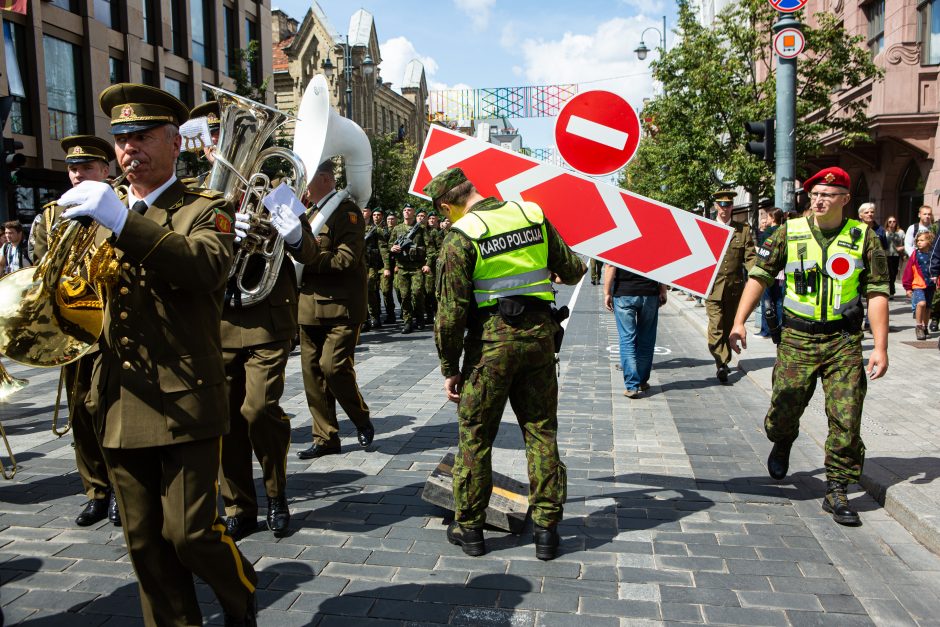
<point x="671" y="517"/>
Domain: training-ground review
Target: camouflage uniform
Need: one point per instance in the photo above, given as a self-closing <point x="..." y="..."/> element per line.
<point x="435" y="238"/>
<point x="376" y="261"/>
<point x="836" y="358"/>
<point x="409" y="280"/>
<point x="501" y="362"/>
<point x="597" y="271"/>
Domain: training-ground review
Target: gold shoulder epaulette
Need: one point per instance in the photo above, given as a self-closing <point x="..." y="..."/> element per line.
<point x="205" y="193"/>
<point x="189" y="181"/>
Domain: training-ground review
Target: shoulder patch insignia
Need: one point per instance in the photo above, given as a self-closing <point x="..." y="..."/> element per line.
<point x="353" y="218"/>
<point x="223" y="223"/>
<point x="763" y="253"/>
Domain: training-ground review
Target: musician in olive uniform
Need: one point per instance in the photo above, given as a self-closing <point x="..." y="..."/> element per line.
<point x="829" y="262"/>
<point x="722" y="302"/>
<point x="256" y="343"/>
<point x="332" y="307"/>
<point x="408" y="245"/>
<point x="88" y="158"/>
<point x="210" y="111"/>
<point x="377" y="264"/>
<point x="435" y="239"/>
<point x="498" y="290"/>
<point x="158" y="387"/>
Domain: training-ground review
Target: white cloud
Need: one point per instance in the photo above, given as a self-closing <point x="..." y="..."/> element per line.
<point x="646" y="7"/>
<point x="477" y="10"/>
<point x="397" y="53"/>
<point x="589" y="59"/>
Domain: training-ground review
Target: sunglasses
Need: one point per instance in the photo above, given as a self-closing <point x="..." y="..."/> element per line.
<point x="725" y="203"/>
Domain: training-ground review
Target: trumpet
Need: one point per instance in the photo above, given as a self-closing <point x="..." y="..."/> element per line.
<point x="9" y="385"/>
<point x="49" y="314"/>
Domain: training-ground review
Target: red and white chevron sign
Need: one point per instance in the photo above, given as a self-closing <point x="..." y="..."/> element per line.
<point x="599" y="220"/>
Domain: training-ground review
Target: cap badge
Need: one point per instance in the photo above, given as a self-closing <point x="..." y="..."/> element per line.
<point x="830" y="177"/>
<point x="212" y="118"/>
<point x="127" y="111"/>
<point x="77" y="150"/>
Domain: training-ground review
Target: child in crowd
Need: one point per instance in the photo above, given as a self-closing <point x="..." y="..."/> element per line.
<point x="916" y="280"/>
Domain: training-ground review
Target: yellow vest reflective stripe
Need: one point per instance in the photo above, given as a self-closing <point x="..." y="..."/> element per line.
<point x="831" y="297"/>
<point x="512" y="252"/>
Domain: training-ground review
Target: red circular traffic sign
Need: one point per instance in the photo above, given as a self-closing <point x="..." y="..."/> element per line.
<point x="597" y="132"/>
<point x="788" y="6"/>
<point x="789" y="43"/>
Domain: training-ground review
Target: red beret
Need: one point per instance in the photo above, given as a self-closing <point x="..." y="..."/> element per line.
<point x="829" y="176"/>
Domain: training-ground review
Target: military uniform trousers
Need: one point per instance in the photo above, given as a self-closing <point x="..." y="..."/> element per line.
<point x="522" y="372"/>
<point x="327" y="354"/>
<point x="720" y="320"/>
<point x="375" y="293"/>
<point x="386" y="285"/>
<point x="257" y="423"/>
<point x="597" y="270"/>
<point x="837" y="360"/>
<point x="430" y="299"/>
<point x="410" y="286"/>
<point x="89" y="458"/>
<point x="168" y="496"/>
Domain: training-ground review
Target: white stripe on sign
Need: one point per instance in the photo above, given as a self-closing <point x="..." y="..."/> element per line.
<point x="589" y="129"/>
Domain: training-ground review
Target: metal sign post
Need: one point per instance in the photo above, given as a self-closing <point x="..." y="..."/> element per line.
<point x="785" y="155"/>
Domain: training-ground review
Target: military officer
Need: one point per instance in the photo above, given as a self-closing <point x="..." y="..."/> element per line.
<point x="410" y="267"/>
<point x="332" y="307"/>
<point x="435" y="239"/>
<point x="88" y="158"/>
<point x="210" y="111"/>
<point x="158" y="386"/>
<point x="377" y="264"/>
<point x="829" y="262"/>
<point x="722" y="302"/>
<point x="500" y="292"/>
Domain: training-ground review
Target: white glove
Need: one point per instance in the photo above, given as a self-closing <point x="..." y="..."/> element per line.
<point x="242" y="226"/>
<point x="98" y="201"/>
<point x="287" y="224"/>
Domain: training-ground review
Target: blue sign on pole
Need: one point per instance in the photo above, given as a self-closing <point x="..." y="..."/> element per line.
<point x="788" y="6"/>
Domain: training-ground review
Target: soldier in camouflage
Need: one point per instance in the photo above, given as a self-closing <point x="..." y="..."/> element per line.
<point x="496" y="267"/>
<point x="830" y="262"/>
<point x="377" y="264"/>
<point x="410" y="267"/>
<point x="435" y="239"/>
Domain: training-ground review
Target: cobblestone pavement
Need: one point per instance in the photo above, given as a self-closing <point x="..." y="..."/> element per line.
<point x="670" y="518"/>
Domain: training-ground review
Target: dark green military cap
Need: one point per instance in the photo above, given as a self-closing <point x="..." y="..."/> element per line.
<point x="210" y="111"/>
<point x="444" y="182"/>
<point x="135" y="108"/>
<point x="84" y="148"/>
<point x="724" y="194"/>
<point x="378" y="210"/>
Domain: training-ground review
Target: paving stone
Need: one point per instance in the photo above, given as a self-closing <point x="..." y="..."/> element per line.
<point x="743" y="616"/>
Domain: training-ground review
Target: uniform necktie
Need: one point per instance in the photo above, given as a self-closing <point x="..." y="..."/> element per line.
<point x="139" y="207"/>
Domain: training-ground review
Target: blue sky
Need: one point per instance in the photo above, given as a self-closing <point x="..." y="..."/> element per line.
<point x="501" y="43"/>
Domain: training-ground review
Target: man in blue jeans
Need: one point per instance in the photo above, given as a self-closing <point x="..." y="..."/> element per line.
<point x="635" y="301"/>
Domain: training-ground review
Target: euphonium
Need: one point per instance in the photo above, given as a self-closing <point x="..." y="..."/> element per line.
<point x="50" y="315"/>
<point x="245" y="127"/>
<point x="8" y="386"/>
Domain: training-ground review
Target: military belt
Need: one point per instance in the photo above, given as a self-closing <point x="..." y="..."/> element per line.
<point x="817" y="327"/>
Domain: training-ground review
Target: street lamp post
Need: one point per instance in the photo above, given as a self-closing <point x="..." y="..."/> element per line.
<point x="367" y="66"/>
<point x="641" y="50"/>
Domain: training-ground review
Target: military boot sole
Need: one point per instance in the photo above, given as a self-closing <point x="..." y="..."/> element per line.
<point x="849" y="520"/>
<point x="473" y="549"/>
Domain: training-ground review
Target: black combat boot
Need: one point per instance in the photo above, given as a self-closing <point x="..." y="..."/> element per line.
<point x="408" y="328"/>
<point x="278" y="515"/>
<point x="249" y="619"/>
<point x="837" y="504"/>
<point x="723" y="372"/>
<point x="237" y="527"/>
<point x="778" y="463"/>
<point x="470" y="540"/>
<point x="546" y="542"/>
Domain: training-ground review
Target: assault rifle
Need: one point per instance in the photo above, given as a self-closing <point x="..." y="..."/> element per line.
<point x="407" y="241"/>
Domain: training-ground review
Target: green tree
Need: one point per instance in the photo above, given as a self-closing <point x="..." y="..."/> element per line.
<point x="711" y="87"/>
<point x="393" y="164"/>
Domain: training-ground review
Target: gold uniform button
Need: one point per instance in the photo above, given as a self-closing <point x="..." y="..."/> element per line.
<point x="126" y="365"/>
<point x="198" y="381"/>
<point x="123" y="315"/>
<point x="125" y="341"/>
<point x="126" y="266"/>
<point x="125" y="291"/>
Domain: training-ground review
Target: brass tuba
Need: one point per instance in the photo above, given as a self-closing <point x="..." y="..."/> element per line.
<point x="8" y="386"/>
<point x="245" y="128"/>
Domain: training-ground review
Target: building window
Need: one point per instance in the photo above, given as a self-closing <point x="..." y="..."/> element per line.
<point x="146" y="76"/>
<point x="177" y="88"/>
<point x="254" y="67"/>
<point x="876" y="26"/>
<point x="68" y="5"/>
<point x="14" y="41"/>
<point x="230" y="31"/>
<point x="201" y="22"/>
<point x="207" y="95"/>
<point x="62" y="79"/>
<point x="108" y="12"/>
<point x="150" y="21"/>
<point x="910" y="194"/>
<point x="928" y="18"/>
<point x="177" y="32"/>
<point x="116" y="70"/>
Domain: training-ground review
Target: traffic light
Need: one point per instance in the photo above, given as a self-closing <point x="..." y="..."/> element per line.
<point x="763" y="147"/>
<point x="10" y="159"/>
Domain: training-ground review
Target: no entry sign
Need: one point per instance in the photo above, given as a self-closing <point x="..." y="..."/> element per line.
<point x="594" y="218"/>
<point x="788" y="6"/>
<point x="597" y="132"/>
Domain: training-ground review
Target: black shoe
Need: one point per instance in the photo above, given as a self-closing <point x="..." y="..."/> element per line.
<point x="934" y="327"/>
<point x="408" y="328"/>
<point x="546" y="542"/>
<point x="390" y="319"/>
<point x="238" y="527"/>
<point x="722" y="373"/>
<point x="250" y="619"/>
<point x="837" y="504"/>
<point x="95" y="510"/>
<point x="421" y="324"/>
<point x="114" y="514"/>
<point x="778" y="462"/>
<point x="278" y="515"/>
<point x="470" y="540"/>
<point x="366" y="326"/>
<point x="644" y="387"/>
<point x="319" y="450"/>
<point x="366" y="435"/>
<point x="376" y="323"/>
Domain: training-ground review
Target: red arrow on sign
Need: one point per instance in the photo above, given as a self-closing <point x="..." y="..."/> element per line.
<point x="630" y="231"/>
